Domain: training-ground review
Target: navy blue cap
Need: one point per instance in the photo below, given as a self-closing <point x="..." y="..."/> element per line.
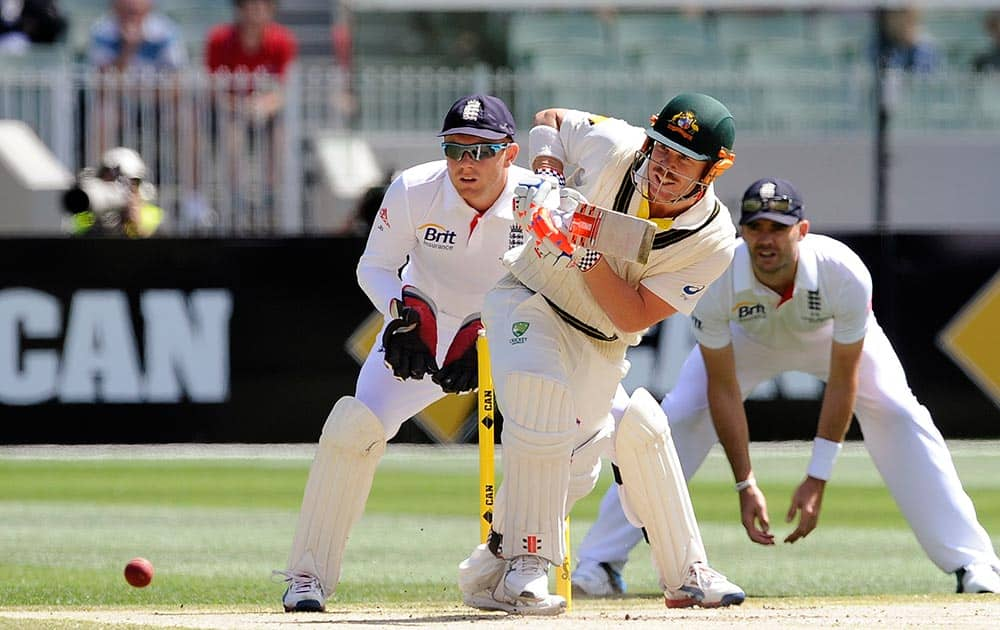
<point x="479" y="115"/>
<point x="773" y="199"/>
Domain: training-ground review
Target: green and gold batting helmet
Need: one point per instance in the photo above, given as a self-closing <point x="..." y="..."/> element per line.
<point x="699" y="127"/>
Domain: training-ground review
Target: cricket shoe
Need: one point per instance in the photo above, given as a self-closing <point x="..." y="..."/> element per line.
<point x="304" y="593"/>
<point x="978" y="577"/>
<point x="480" y="571"/>
<point x="598" y="579"/>
<point x="523" y="589"/>
<point x="705" y="587"/>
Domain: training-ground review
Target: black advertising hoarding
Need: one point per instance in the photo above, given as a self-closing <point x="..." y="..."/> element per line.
<point x="152" y="310"/>
<point x="176" y="340"/>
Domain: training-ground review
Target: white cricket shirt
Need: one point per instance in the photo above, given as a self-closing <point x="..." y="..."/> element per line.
<point x="454" y="253"/>
<point x="831" y="298"/>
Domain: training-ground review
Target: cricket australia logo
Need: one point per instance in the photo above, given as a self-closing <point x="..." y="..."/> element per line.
<point x="519" y="328"/>
<point x="472" y="110"/>
<point x="685" y="124"/>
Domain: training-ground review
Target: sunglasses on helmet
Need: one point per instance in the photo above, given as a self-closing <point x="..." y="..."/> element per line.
<point x="478" y="152"/>
<point x="772" y="204"/>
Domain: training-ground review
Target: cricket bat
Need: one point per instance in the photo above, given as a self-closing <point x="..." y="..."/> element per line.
<point x="613" y="233"/>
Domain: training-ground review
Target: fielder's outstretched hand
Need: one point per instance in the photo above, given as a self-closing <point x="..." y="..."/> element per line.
<point x="410" y="339"/>
<point x="753" y="510"/>
<point x="460" y="371"/>
<point x="807" y="500"/>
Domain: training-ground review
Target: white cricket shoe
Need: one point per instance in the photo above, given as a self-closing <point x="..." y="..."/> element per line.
<point x="705" y="587"/>
<point x="978" y="577"/>
<point x="304" y="593"/>
<point x="480" y="571"/>
<point x="598" y="579"/>
<point x="523" y="589"/>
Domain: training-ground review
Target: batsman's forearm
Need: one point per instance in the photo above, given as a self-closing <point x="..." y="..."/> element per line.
<point x="622" y="303"/>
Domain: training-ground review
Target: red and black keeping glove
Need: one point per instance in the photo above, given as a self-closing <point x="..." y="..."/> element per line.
<point x="460" y="372"/>
<point x="410" y="339"/>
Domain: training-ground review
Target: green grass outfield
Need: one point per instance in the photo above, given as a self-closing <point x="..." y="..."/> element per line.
<point x="216" y="520"/>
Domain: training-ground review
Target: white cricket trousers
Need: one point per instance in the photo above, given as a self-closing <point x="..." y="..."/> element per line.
<point x="900" y="436"/>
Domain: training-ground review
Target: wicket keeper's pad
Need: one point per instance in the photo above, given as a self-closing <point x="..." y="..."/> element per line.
<point x="538" y="438"/>
<point x="653" y="489"/>
<point x="352" y="443"/>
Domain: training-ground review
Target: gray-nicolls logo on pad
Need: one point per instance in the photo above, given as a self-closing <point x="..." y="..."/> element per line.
<point x="472" y="109"/>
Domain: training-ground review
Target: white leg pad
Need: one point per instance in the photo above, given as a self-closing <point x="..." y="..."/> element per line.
<point x="350" y="447"/>
<point x="538" y="434"/>
<point x="655" y="493"/>
<point x="585" y="467"/>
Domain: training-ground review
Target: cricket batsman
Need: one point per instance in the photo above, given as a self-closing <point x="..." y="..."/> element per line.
<point x="559" y="325"/>
<point x="447" y="224"/>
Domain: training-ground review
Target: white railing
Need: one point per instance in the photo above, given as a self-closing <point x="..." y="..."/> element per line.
<point x="223" y="167"/>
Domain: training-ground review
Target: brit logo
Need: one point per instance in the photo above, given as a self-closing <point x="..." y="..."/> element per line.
<point x="437" y="236"/>
<point x="472" y="109"/>
<point x="746" y="311"/>
<point x="693" y="289"/>
<point x="519" y="328"/>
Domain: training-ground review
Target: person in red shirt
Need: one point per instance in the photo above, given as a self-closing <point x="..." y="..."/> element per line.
<point x="254" y="42"/>
<point x="246" y="112"/>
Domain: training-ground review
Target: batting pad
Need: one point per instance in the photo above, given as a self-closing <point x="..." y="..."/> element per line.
<point x="352" y="443"/>
<point x="538" y="435"/>
<point x="654" y="491"/>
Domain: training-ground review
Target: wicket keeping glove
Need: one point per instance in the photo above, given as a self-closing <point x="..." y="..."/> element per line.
<point x="460" y="371"/>
<point x="410" y="339"/>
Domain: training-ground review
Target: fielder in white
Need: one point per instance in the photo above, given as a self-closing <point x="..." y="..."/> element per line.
<point x="449" y="222"/>
<point x="799" y="301"/>
<point x="559" y="326"/>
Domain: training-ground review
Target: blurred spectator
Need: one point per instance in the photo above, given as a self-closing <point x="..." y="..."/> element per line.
<point x="254" y="42"/>
<point x="989" y="60"/>
<point x="134" y="37"/>
<point x="26" y="22"/>
<point x="904" y="44"/>
<point x="245" y="109"/>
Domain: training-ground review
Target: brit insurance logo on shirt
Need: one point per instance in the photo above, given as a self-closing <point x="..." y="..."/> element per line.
<point x="748" y="311"/>
<point x="436" y="236"/>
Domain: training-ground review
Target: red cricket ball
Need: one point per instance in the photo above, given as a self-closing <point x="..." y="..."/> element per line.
<point x="139" y="572"/>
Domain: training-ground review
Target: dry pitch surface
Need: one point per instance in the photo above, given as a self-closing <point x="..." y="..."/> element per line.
<point x="982" y="611"/>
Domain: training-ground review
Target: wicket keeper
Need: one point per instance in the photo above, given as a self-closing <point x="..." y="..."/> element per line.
<point x="447" y="224"/>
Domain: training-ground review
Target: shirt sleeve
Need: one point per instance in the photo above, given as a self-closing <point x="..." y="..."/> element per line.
<point x="684" y="287"/>
<point x="588" y="139"/>
<point x="289" y="50"/>
<point x="852" y="304"/>
<point x="389" y="244"/>
<point x="710" y="318"/>
<point x="175" y="52"/>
